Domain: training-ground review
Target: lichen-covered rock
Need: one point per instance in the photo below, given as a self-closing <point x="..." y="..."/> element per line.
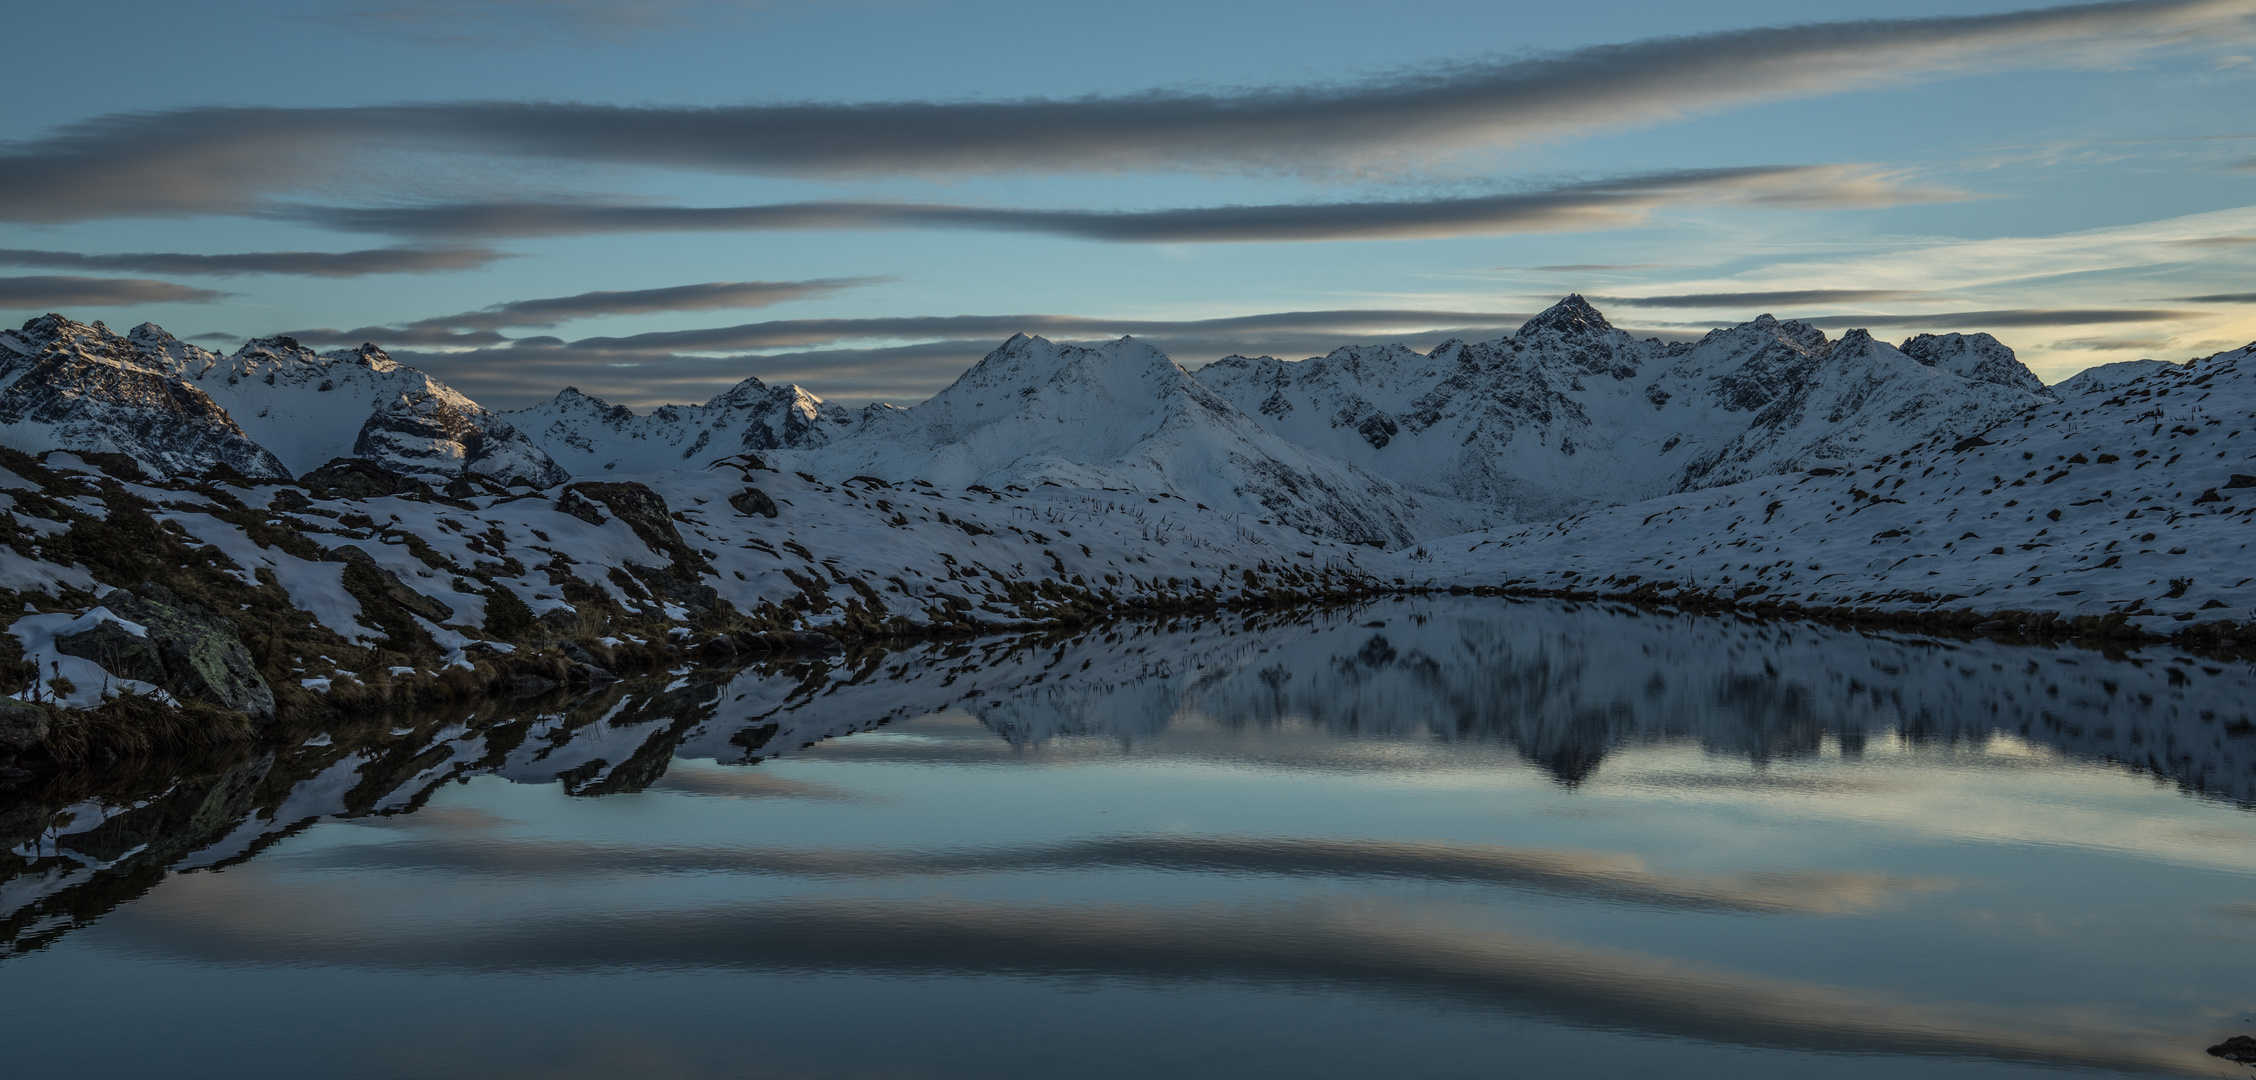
<point x="23" y="724"/>
<point x="202" y="656"/>
<point x="119" y="650"/>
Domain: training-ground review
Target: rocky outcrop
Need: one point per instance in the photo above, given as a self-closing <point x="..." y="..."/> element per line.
<point x="394" y="589"/>
<point x="358" y="478"/>
<point x="200" y="656"/>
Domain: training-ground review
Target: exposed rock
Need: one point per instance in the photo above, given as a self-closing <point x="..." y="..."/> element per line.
<point x="202" y="656"/>
<point x="570" y="501"/>
<point x="119" y="650"/>
<point x="359" y="478"/>
<point x="23" y="724"/>
<point x="395" y="590"/>
<point x="752" y="501"/>
<point x="641" y="508"/>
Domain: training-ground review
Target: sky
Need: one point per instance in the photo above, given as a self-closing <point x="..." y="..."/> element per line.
<point x="653" y="199"/>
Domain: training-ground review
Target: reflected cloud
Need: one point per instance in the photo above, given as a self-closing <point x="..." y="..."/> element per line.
<point x="1375" y="947"/>
<point x="1590" y="875"/>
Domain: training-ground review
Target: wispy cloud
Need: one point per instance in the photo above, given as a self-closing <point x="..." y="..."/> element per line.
<point x="1596" y="204"/>
<point x="2011" y="317"/>
<point x="221" y="159"/>
<point x="327" y="264"/>
<point x="59" y="291"/>
<point x="707" y="296"/>
<point x="1759" y="299"/>
<point x="2221" y="298"/>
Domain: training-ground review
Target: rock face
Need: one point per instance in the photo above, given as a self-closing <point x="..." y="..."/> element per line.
<point x="199" y="653"/>
<point x="1570" y="412"/>
<point x="23" y="725"/>
<point x="590" y="437"/>
<point x="70" y="386"/>
<point x="1124" y="416"/>
<point x="310" y="407"/>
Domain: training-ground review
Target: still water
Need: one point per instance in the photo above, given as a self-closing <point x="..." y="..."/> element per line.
<point x="1425" y="838"/>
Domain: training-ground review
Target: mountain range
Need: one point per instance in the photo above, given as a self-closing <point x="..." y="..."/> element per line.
<point x="1369" y="444"/>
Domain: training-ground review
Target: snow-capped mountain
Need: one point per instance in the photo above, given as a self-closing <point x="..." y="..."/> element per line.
<point x="1571" y="412"/>
<point x="310" y="408"/>
<point x="591" y="437"/>
<point x="71" y="385"/>
<point x="1124" y="416"/>
<point x="2132" y="502"/>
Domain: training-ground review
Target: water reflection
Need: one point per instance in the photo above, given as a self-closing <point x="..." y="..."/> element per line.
<point x="1778" y="838"/>
<point x="1563" y="685"/>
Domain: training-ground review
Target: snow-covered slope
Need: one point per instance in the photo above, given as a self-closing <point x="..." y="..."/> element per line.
<point x="1571" y="412"/>
<point x="590" y="437"/>
<point x="1123" y="416"/>
<point x="70" y="385"/>
<point x="309" y="408"/>
<point x="2134" y="499"/>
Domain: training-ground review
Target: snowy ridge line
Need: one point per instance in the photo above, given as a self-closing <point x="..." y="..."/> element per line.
<point x="2128" y="508"/>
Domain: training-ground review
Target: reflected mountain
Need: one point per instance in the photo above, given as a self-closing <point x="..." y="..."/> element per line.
<point x="1561" y="685"/>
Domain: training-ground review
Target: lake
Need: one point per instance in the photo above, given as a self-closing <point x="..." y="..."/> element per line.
<point x="1441" y="837"/>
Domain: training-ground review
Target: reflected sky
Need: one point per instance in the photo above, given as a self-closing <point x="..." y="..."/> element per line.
<point x="1479" y="839"/>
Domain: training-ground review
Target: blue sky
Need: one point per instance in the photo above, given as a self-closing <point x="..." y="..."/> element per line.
<point x="891" y="186"/>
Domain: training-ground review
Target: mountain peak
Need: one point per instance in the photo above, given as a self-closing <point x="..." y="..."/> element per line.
<point x="1572" y="316"/>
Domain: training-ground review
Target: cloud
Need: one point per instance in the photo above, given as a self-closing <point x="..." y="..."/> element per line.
<point x="56" y="291"/>
<point x="328" y="264"/>
<point x="1598" y="204"/>
<point x="702" y="297"/>
<point x="1760" y="299"/>
<point x="228" y="159"/>
<point x="2217" y="241"/>
<point x="1388" y="950"/>
<point x="2221" y="298"/>
<point x="1577" y="268"/>
<point x="1984" y="320"/>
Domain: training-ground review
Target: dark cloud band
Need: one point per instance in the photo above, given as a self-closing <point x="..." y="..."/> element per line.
<point x="206" y="160"/>
<point x="57" y="291"/>
<point x="706" y="296"/>
<point x="327" y="264"/>
<point x="1589" y="205"/>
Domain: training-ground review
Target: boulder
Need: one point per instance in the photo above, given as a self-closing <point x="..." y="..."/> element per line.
<point x="23" y="725"/>
<point x="120" y="651"/>
<point x="203" y="659"/>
